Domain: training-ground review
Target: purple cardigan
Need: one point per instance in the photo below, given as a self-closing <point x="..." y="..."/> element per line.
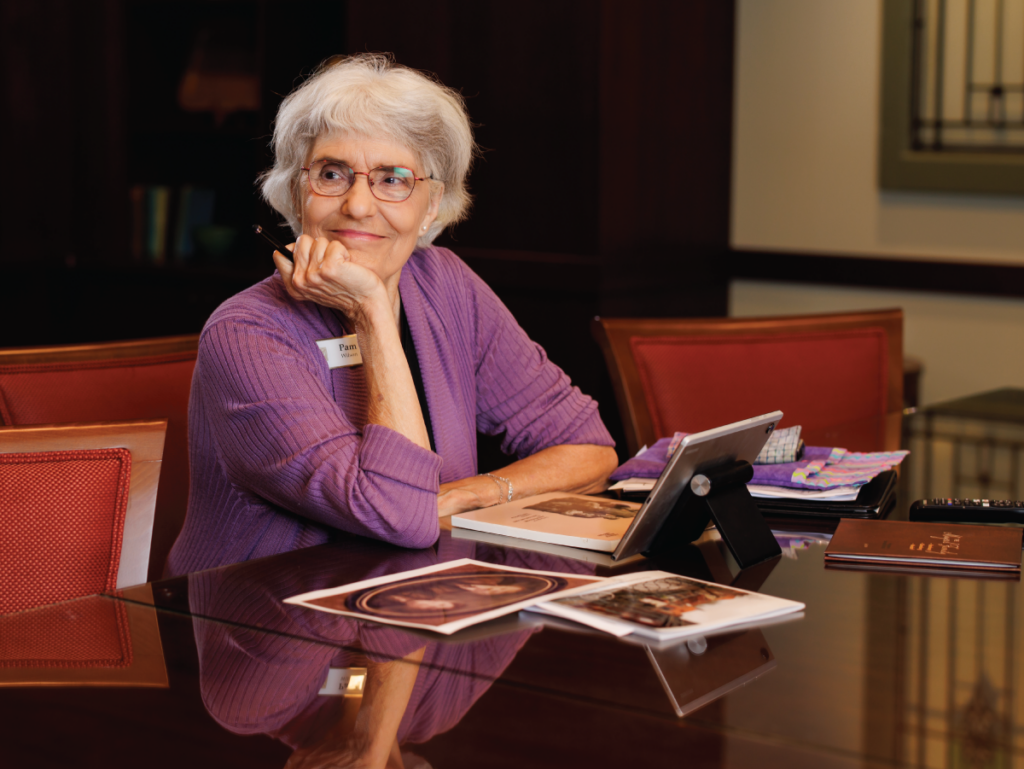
<point x="280" y="454"/>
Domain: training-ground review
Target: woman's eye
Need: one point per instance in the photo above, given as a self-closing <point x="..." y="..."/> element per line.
<point x="334" y="173"/>
<point x="394" y="177"/>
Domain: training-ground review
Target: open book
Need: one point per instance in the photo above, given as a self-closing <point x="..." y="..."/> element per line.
<point x="559" y="518"/>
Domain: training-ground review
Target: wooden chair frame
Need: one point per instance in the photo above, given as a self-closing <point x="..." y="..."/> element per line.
<point x="613" y="335"/>
<point x="156" y="351"/>
<point x="144" y="439"/>
<point x="79" y="353"/>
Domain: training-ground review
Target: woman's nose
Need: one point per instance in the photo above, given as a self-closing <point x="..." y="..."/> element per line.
<point x="359" y="201"/>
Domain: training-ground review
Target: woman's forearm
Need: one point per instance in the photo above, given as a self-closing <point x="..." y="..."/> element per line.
<point x="323" y="272"/>
<point x="581" y="469"/>
<point x="391" y="393"/>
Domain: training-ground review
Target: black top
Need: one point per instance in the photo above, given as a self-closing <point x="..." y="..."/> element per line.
<point x="414" y="366"/>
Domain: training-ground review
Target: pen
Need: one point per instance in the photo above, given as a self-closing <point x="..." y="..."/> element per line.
<point x="278" y="245"/>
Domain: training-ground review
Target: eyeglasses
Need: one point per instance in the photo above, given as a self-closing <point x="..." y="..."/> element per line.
<point x="332" y="178"/>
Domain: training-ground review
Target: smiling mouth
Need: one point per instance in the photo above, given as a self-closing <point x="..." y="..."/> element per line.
<point x="358" y="235"/>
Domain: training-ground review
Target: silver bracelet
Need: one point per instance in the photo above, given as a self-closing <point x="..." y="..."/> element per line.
<point x="507" y="481"/>
<point x="497" y="483"/>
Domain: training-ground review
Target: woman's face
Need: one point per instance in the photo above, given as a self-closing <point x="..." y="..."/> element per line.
<point x="379" y="235"/>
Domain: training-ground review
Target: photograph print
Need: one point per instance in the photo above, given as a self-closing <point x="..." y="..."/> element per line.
<point x="659" y="603"/>
<point x="579" y="507"/>
<point x="445" y="597"/>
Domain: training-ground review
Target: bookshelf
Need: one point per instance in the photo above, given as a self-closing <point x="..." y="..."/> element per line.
<point x="203" y="80"/>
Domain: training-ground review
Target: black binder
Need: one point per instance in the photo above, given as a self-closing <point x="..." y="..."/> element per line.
<point x="875" y="499"/>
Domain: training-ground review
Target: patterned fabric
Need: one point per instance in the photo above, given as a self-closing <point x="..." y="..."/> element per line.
<point x="783" y="446"/>
<point x="63" y="517"/>
<point x="281" y="454"/>
<point x="821" y="468"/>
<point x="677" y="441"/>
<point x="843" y="468"/>
<point x="114" y="390"/>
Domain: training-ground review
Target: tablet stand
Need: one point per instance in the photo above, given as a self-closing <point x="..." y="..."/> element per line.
<point x="720" y="495"/>
<point x="706" y="562"/>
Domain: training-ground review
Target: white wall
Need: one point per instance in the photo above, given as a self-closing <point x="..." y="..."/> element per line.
<point x="805" y="151"/>
<point x="805" y="180"/>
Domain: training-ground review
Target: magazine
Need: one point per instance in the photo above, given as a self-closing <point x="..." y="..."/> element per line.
<point x="562" y="551"/>
<point x="664" y="606"/>
<point x="446" y="597"/>
<point x="558" y="518"/>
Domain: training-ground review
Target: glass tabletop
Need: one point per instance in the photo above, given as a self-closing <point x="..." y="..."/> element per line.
<point x="213" y="668"/>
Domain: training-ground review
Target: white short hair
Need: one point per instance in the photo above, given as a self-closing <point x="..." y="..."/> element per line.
<point x="369" y="95"/>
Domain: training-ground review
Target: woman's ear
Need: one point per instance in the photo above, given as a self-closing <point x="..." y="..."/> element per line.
<point x="436" y="193"/>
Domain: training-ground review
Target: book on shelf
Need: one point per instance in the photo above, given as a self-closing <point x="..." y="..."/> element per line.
<point x="557" y="518"/>
<point x="665" y="606"/>
<point x="164" y="221"/>
<point x="137" y="198"/>
<point x="158" y="212"/>
<point x="923" y="545"/>
<point x="195" y="209"/>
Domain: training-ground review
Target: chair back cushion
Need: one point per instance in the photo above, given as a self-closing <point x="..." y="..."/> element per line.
<point x="113" y="390"/>
<point x="816" y="378"/>
<point x="62" y="515"/>
<point x="90" y="633"/>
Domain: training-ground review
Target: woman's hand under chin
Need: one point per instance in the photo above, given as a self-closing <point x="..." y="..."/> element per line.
<point x="322" y="271"/>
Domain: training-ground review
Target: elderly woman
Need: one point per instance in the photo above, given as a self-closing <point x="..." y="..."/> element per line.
<point x="286" y="446"/>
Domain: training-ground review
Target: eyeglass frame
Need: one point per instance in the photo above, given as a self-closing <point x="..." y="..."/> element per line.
<point x="369" y="183"/>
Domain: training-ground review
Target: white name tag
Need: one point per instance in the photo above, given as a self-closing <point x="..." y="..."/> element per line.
<point x="344" y="681"/>
<point x="341" y="352"/>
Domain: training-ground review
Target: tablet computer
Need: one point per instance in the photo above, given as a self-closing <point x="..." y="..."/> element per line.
<point x="697" y="452"/>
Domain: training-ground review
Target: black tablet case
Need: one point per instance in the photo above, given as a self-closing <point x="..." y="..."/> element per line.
<point x="874" y="500"/>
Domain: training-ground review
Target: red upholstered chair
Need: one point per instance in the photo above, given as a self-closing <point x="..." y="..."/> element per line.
<point x="112" y="381"/>
<point x="839" y="376"/>
<point x="91" y="641"/>
<point x="76" y="509"/>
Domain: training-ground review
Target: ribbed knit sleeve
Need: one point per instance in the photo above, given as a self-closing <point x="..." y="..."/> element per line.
<point x="280" y="435"/>
<point x="281" y="456"/>
<point x="519" y="390"/>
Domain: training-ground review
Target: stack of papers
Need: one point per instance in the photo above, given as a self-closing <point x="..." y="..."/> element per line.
<point x="448" y="597"/>
<point x="823" y="473"/>
<point x="836" y="494"/>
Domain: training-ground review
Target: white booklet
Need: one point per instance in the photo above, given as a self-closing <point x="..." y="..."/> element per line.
<point x="446" y="597"/>
<point x="664" y="606"/>
<point x="559" y="518"/>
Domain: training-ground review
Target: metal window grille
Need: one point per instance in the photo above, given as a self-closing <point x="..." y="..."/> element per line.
<point x="967" y="78"/>
<point x="960" y="706"/>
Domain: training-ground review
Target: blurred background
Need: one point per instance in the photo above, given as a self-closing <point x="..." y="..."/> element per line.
<point x="755" y="157"/>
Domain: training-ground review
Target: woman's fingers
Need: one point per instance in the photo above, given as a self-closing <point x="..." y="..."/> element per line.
<point x="284" y="266"/>
<point x="316" y="253"/>
<point x="322" y="271"/>
<point x="300" y="258"/>
<point x="316" y="256"/>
